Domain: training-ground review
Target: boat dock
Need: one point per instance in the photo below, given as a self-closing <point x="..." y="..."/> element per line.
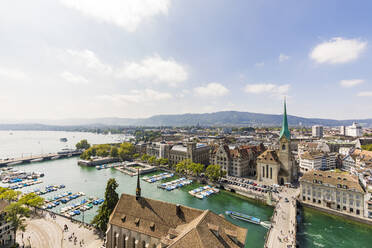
<point x="36" y="158"/>
<point x="48" y="189"/>
<point x="178" y="183"/>
<point x="63" y="198"/>
<point x="158" y="177"/>
<point x="203" y="192"/>
<point x="76" y="209"/>
<point x="24" y="184"/>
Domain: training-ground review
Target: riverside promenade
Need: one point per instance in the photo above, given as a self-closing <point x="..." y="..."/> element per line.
<point x="284" y="222"/>
<point x="47" y="232"/>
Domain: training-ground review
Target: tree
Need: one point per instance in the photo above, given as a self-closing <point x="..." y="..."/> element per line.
<point x="183" y="166"/>
<point x="136" y="155"/>
<point x="213" y="172"/>
<point x="111" y="199"/>
<point x="114" y="153"/>
<point x="82" y="145"/>
<point x="151" y="160"/>
<point x="126" y="151"/>
<point x="16" y="214"/>
<point x="145" y="157"/>
<point x="10" y="195"/>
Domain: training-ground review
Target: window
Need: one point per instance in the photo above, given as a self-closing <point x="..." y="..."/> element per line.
<point x="283" y="147"/>
<point x="358" y="212"/>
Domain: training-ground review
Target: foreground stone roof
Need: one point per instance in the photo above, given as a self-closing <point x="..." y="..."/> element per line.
<point x="176" y="225"/>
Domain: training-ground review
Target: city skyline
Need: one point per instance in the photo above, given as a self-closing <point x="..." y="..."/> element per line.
<point x="85" y="59"/>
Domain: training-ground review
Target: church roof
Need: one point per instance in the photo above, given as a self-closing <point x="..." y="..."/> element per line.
<point x="285" y="130"/>
<point x="189" y="227"/>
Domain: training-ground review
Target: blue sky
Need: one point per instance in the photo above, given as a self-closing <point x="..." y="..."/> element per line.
<point x="136" y="58"/>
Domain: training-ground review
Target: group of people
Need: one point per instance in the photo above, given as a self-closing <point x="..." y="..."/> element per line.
<point x="73" y="238"/>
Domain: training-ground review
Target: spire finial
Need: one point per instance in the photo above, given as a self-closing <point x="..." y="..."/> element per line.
<point x="285" y="130"/>
<point x="138" y="189"/>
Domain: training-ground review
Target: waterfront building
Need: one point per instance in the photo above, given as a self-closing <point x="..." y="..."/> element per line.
<point x="138" y="222"/>
<point x="317" y="161"/>
<point x="340" y="191"/>
<point x="317" y="131"/>
<point x="7" y="231"/>
<point x="158" y="149"/>
<point x="239" y="161"/>
<point x="278" y="166"/>
<point x="354" y="130"/>
<point x="196" y="152"/>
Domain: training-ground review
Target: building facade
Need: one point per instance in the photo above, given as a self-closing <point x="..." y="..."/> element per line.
<point x="317" y="161"/>
<point x="236" y="161"/>
<point x="197" y="153"/>
<point x="278" y="166"/>
<point x="354" y="130"/>
<point x="317" y="131"/>
<point x="334" y="190"/>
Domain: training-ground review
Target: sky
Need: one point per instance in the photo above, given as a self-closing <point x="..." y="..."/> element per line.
<point x="137" y="58"/>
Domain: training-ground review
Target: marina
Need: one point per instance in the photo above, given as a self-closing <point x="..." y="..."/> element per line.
<point x="47" y="189"/>
<point x="63" y="198"/>
<point x="178" y="183"/>
<point x="24" y="184"/>
<point x="203" y="192"/>
<point x="158" y="177"/>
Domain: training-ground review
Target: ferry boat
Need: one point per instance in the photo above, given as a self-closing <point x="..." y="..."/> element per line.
<point x="248" y="218"/>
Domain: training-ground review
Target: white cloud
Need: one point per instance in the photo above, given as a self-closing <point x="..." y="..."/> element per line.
<point x="283" y="57"/>
<point x="260" y="64"/>
<point x="12" y="73"/>
<point x="267" y="88"/>
<point x="351" y="83"/>
<point x="73" y="78"/>
<point x="127" y="14"/>
<point x="211" y="89"/>
<point x="338" y="50"/>
<point x="89" y="59"/>
<point x="138" y="96"/>
<point x="154" y="69"/>
<point x="365" y="93"/>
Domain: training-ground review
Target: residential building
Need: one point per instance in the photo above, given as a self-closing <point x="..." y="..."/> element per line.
<point x="354" y="130"/>
<point x="7" y="231"/>
<point x="278" y="166"/>
<point x="339" y="191"/>
<point x="317" y="161"/>
<point x="142" y="222"/>
<point x="317" y="131"/>
<point x="236" y="161"/>
<point x="312" y="147"/>
<point x="342" y="130"/>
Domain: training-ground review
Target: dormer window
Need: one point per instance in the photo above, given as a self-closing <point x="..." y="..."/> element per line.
<point x="283" y="147"/>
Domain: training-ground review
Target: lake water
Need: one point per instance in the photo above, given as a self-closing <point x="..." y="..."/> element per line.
<point x="317" y="230"/>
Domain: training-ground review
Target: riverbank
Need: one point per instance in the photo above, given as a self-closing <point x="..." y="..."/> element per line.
<point x="338" y="213"/>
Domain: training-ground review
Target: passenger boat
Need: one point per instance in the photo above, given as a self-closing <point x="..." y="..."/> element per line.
<point x="248" y="218"/>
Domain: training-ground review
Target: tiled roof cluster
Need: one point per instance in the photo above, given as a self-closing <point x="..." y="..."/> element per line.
<point x="176" y="225"/>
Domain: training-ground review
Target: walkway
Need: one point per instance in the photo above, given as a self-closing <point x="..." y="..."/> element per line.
<point x="48" y="233"/>
<point x="284" y="222"/>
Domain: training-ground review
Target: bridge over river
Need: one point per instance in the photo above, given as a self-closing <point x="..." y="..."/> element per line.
<point x="36" y="158"/>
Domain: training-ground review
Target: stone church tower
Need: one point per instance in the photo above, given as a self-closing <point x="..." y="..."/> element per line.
<point x="279" y="166"/>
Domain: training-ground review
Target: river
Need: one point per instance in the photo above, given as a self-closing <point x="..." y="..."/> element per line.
<point x="317" y="230"/>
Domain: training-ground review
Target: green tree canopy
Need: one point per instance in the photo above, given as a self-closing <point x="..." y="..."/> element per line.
<point x="105" y="210"/>
<point x="82" y="145"/>
<point x="213" y="172"/>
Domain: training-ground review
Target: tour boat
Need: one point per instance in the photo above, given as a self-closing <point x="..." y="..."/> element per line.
<point x="248" y="218"/>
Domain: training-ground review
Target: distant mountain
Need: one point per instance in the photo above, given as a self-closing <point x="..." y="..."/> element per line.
<point x="223" y="118"/>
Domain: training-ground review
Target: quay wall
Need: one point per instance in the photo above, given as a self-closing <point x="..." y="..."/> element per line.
<point x="340" y="214"/>
<point x="97" y="161"/>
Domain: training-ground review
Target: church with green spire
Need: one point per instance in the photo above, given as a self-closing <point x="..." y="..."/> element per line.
<point x="278" y="166"/>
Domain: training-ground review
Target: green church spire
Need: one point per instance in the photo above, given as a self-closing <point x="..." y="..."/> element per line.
<point x="285" y="131"/>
